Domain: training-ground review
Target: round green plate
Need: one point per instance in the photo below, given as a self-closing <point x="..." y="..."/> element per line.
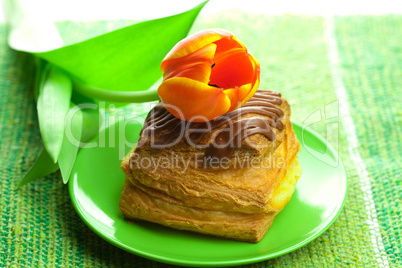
<point x="97" y="180"/>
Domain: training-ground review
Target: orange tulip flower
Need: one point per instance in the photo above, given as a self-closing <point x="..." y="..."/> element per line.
<point x="206" y="75"/>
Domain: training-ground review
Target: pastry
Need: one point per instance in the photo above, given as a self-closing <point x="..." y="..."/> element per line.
<point x="228" y="177"/>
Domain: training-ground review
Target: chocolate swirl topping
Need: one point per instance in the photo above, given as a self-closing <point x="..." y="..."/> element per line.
<point x="162" y="129"/>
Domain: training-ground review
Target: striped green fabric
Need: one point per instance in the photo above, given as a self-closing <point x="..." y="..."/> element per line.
<point x="352" y="62"/>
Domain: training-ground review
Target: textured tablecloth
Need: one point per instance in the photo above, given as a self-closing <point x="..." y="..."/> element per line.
<point x="354" y="63"/>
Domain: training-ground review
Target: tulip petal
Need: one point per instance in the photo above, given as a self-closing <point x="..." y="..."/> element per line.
<point x="196" y="41"/>
<point x="186" y="99"/>
<point x="236" y="95"/>
<point x="256" y="80"/>
<point x="227" y="44"/>
<point x="232" y="68"/>
<point x="196" y="65"/>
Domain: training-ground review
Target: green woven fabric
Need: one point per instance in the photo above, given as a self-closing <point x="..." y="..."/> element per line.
<point x="40" y="228"/>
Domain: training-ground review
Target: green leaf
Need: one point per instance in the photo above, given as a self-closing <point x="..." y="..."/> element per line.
<point x="42" y="68"/>
<point x="126" y="59"/>
<point x="91" y="122"/>
<point x="43" y="166"/>
<point x="53" y="104"/>
<point x="91" y="118"/>
<point x="118" y="66"/>
<point x="30" y="29"/>
<point x="71" y="142"/>
<point x="81" y="125"/>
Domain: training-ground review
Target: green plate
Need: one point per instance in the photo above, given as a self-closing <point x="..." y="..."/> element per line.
<point x="97" y="180"/>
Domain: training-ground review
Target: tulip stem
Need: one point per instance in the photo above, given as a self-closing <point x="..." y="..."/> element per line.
<point x="116" y="96"/>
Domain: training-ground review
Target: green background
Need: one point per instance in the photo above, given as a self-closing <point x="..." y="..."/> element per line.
<point x="39" y="226"/>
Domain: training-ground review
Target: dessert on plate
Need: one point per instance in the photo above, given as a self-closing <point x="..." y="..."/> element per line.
<point x="225" y="172"/>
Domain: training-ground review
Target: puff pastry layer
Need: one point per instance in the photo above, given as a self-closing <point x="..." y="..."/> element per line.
<point x="184" y="180"/>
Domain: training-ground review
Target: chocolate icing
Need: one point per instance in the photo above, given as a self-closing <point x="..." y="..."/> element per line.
<point x="166" y="130"/>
